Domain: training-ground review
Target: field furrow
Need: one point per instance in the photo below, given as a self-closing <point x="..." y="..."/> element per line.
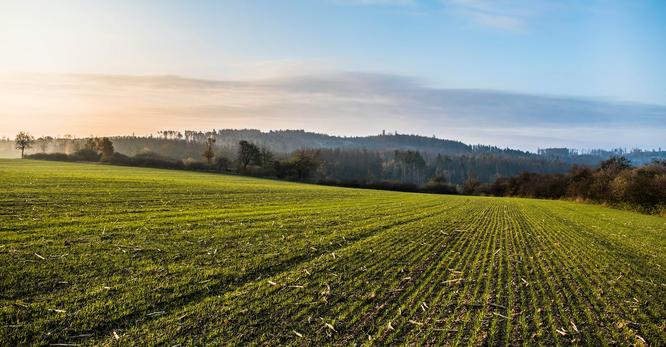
<point x="99" y="255"/>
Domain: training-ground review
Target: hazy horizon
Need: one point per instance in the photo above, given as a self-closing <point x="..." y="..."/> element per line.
<point x="342" y="104"/>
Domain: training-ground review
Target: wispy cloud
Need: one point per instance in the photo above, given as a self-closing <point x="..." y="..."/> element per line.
<point x="339" y="103"/>
<point x="376" y="2"/>
<point x="511" y="15"/>
<point x="506" y="15"/>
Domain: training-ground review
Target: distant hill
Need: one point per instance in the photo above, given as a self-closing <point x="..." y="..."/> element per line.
<point x="287" y="141"/>
<point x="357" y="158"/>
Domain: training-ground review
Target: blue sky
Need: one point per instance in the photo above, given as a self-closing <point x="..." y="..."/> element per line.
<point x="599" y="50"/>
<point x="612" y="49"/>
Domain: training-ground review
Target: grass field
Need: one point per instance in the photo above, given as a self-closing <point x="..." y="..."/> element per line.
<point x="94" y="254"/>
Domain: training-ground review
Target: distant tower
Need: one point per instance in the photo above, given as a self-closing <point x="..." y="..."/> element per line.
<point x="383" y="132"/>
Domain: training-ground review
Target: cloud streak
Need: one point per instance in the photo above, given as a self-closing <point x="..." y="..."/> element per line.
<point x="376" y="2"/>
<point x="338" y="103"/>
<point x="506" y="15"/>
<point x="509" y="15"/>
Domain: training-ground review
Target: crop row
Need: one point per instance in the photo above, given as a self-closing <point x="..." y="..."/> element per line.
<point x="94" y="254"/>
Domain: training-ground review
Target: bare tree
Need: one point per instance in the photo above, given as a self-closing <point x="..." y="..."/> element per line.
<point x="24" y="141"/>
<point x="105" y="147"/>
<point x="209" y="154"/>
<point x="248" y="153"/>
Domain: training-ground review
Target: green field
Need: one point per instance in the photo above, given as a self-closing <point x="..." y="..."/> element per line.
<point x="96" y="254"/>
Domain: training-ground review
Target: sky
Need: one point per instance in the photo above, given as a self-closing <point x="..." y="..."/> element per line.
<point x="524" y="74"/>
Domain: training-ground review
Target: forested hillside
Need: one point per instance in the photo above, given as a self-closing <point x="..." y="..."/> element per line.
<point x="398" y="157"/>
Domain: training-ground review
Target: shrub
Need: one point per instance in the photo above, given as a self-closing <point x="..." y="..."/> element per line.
<point x="86" y="155"/>
<point x="50" y="156"/>
<point x="439" y="185"/>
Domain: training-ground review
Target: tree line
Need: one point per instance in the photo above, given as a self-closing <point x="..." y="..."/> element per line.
<point x="406" y="164"/>
<point x="614" y="181"/>
<point x="183" y="144"/>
